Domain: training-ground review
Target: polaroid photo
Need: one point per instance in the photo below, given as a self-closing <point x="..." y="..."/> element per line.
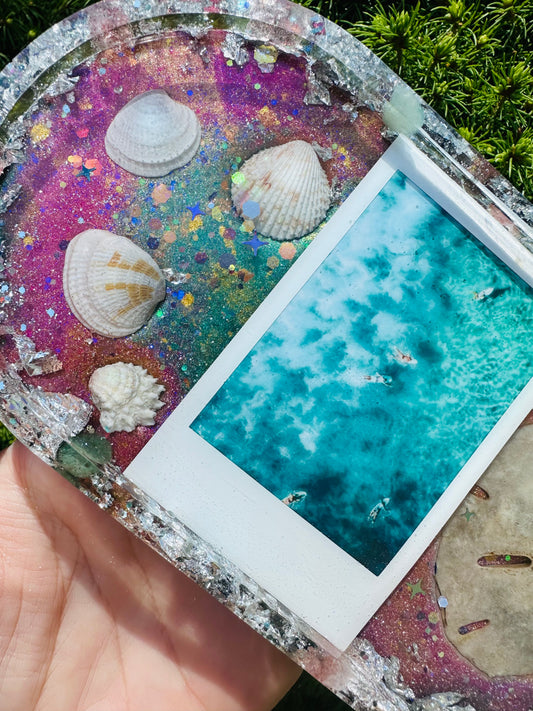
<point x="331" y="440"/>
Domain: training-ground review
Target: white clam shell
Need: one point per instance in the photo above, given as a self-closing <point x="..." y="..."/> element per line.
<point x="110" y="284"/>
<point x="290" y="188"/>
<point x="152" y="135"/>
<point x="126" y="395"/>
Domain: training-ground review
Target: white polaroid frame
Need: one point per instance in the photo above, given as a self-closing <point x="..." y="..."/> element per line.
<point x="237" y="516"/>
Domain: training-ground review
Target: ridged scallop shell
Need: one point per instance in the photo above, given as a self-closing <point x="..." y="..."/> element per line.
<point x="152" y="135"/>
<point x="110" y="284"/>
<point x="126" y="395"/>
<point x="290" y="188"/>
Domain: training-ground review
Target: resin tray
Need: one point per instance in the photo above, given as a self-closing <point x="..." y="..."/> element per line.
<point x="257" y="75"/>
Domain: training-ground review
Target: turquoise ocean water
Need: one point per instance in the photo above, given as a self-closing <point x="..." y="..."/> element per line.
<point x="326" y="403"/>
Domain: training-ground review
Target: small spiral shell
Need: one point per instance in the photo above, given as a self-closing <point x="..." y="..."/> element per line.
<point x="126" y="395"/>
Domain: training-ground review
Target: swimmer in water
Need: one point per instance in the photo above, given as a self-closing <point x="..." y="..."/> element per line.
<point x="378" y="508"/>
<point x="403" y="358"/>
<point x="489" y="293"/>
<point x="294" y="498"/>
<point x="481" y="295"/>
<point x="378" y="378"/>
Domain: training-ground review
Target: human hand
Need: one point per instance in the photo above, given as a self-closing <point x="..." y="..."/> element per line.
<point x="91" y="619"/>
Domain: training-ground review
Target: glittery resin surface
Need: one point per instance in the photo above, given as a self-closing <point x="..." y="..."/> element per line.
<point x="219" y="270"/>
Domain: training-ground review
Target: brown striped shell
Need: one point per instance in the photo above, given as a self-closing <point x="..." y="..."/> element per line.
<point x="110" y="284"/>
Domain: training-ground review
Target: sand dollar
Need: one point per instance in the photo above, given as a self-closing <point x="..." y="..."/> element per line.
<point x="482" y="565"/>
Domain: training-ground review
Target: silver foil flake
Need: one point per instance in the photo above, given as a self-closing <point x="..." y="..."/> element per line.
<point x="102" y="485"/>
<point x="150" y="28"/>
<point x="197" y="31"/>
<point x="233" y="48"/>
<point x="447" y="701"/>
<point x="62" y="85"/>
<point x="146" y="521"/>
<point x="174" y="277"/>
<point x="204" y="55"/>
<point x="65" y="414"/>
<point x="394" y="681"/>
<point x="351" y="110"/>
<point x="32" y="361"/>
<point x="41" y="52"/>
<point x="41" y="363"/>
<point x="12" y="151"/>
<point x="7" y="158"/>
<point x="365" y="680"/>
<point x="17" y="134"/>
<point x="336" y="190"/>
<point x="266" y="56"/>
<point x="10" y="155"/>
<point x="9" y="196"/>
<point x="317" y="91"/>
<point x="323" y="153"/>
<point x="105" y="501"/>
<point x="40" y="419"/>
<point x="171" y="544"/>
<point x="357" y="678"/>
<point x="35" y="362"/>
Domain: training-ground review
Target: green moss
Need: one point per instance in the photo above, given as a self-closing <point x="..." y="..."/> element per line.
<point x="5" y="437"/>
<point x="308" y="695"/>
<point x="471" y="61"/>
